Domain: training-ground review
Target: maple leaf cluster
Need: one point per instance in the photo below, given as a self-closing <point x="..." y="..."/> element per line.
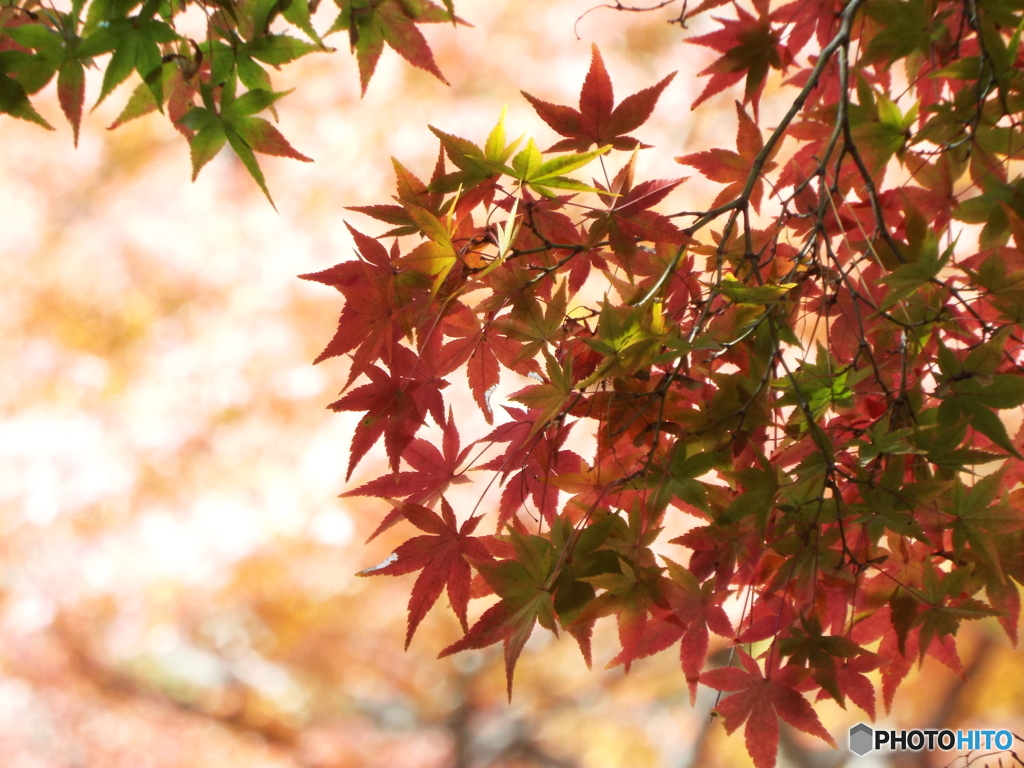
<point x="811" y="367"/>
<point x="196" y="82"/>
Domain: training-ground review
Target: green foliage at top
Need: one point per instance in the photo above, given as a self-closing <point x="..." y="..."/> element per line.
<point x="180" y="75"/>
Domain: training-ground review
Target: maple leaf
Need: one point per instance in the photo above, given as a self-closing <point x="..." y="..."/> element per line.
<point x="371" y="23"/>
<point x="396" y="406"/>
<point x="749" y="47"/>
<point x="551" y="397"/>
<point x="592" y="485"/>
<point x="1003" y="594"/>
<point x="806" y="645"/>
<point x="981" y="523"/>
<point x="909" y="26"/>
<point x="897" y="665"/>
<point x="234" y="124"/>
<point x="817" y="17"/>
<point x="534" y="327"/>
<point x="693" y="610"/>
<point x="179" y="85"/>
<point x="436" y="256"/>
<point x="409" y="191"/>
<point x="733" y="168"/>
<point x="628" y="218"/>
<point x="597" y="122"/>
<point x="56" y="51"/>
<point x="537" y="458"/>
<point x="660" y="631"/>
<point x="760" y="700"/>
<point x="628" y="597"/>
<point x="851" y="682"/>
<point x="135" y="43"/>
<point x="441" y="556"/>
<point x="432" y="473"/>
<point x="378" y="300"/>
<point x="699" y="606"/>
<point x="530" y="167"/>
<point x="521" y="439"/>
<point x="536" y="480"/>
<point x="544" y="226"/>
<point x="15" y="102"/>
<point x="475" y="164"/>
<point x="71" y="92"/>
<point x="53" y="51"/>
<point x="471" y="346"/>
<point x="526" y="599"/>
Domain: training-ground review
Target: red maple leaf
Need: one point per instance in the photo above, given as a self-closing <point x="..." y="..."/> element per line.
<point x="538" y="458"/>
<point x="597" y="122"/>
<point x="471" y="345"/>
<point x="545" y="225"/>
<point x="749" y="47"/>
<point x="441" y="555"/>
<point x="733" y="168"/>
<point x="536" y="480"/>
<point x="396" y="406"/>
<point x="897" y="652"/>
<point x="760" y="700"/>
<point x="375" y="315"/>
<point x="693" y="610"/>
<point x="817" y="17"/>
<point x="592" y="485"/>
<point x="763" y="621"/>
<point x="699" y="606"/>
<point x="853" y="683"/>
<point x="432" y="474"/>
<point x="628" y="219"/>
<point x="392" y="22"/>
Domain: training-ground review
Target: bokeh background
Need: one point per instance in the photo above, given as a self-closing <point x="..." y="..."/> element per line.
<point x="177" y="580"/>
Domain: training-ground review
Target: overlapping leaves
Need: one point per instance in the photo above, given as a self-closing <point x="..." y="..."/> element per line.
<point x="820" y="393"/>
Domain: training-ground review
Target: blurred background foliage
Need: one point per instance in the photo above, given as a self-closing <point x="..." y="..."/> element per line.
<point x="177" y="580"/>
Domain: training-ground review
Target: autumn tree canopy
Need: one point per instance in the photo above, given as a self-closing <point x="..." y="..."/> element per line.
<point x="819" y="369"/>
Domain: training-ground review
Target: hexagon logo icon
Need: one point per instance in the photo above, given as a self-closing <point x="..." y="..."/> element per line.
<point x="861" y="739"/>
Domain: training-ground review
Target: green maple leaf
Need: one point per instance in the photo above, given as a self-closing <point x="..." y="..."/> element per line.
<point x="530" y="167"/>
<point x="135" y="46"/>
<point x="629" y="337"/>
<point x="14" y="101"/>
<point x="437" y="255"/>
<point x="908" y="26"/>
<point x="534" y="327"/>
<point x="581" y="557"/>
<point x="475" y="164"/>
<point x="822" y="385"/>
<point x="981" y="518"/>
<point x="679" y="479"/>
<point x="945" y="605"/>
<point x="247" y="57"/>
<point x="234" y="124"/>
<point x="551" y="397"/>
<point x="757" y="294"/>
<point x="977" y="398"/>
